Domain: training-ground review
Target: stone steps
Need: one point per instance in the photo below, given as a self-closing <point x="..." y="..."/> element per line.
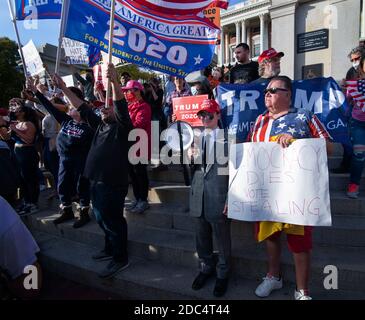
<point x="145" y="279"/>
<point x="177" y="247"/>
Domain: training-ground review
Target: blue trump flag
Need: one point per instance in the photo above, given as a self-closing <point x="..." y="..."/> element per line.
<point x="172" y="45"/>
<point x="33" y="9"/>
<point x="241" y="104"/>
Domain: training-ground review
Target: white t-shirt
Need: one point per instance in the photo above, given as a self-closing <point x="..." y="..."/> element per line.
<point x="17" y="246"/>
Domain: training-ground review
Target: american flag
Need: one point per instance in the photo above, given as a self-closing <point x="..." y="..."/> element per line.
<point x="356" y="89"/>
<point x="181" y="7"/>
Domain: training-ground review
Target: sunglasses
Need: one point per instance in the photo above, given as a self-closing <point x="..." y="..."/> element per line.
<point x="273" y="90"/>
<point x="355" y="59"/>
<point x="206" y="116"/>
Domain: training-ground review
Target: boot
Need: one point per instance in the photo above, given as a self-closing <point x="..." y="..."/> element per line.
<point x="66" y="214"/>
<point x="84" y="218"/>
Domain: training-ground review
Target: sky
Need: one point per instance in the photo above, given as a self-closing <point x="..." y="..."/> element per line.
<point x="47" y="31"/>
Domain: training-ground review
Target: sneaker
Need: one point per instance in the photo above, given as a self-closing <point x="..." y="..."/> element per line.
<point x="132" y="205"/>
<point x="353" y="190"/>
<point x="66" y="214"/>
<point x="141" y="207"/>
<point x="84" y="218"/>
<point x="112" y="269"/>
<point x="269" y="284"/>
<point x="301" y="295"/>
<point x="102" y="256"/>
<point x="28" y="210"/>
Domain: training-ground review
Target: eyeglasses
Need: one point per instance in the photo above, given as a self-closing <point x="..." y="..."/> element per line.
<point x="355" y="59"/>
<point x="273" y="90"/>
<point x="206" y="116"/>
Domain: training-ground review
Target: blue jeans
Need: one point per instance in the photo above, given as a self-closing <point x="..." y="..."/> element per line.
<point x="27" y="158"/>
<point x="51" y="160"/>
<point x="108" y="205"/>
<point x="358" y="142"/>
<point x="71" y="180"/>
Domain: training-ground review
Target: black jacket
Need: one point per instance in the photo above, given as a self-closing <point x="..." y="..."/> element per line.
<point x="108" y="156"/>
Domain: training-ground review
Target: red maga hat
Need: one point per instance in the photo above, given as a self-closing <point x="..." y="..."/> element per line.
<point x="209" y="105"/>
<point x="268" y="54"/>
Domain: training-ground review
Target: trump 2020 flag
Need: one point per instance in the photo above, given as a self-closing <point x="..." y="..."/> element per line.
<point x="174" y="45"/>
<point x="179" y="7"/>
<point x="36" y="9"/>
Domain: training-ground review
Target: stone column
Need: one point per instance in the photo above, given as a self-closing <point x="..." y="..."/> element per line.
<point x="237" y="33"/>
<point x="244" y="38"/>
<point x="226" y="48"/>
<point x="262" y="32"/>
<point x="221" y="56"/>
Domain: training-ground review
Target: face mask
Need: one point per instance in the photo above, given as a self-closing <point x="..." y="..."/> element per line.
<point x="130" y="96"/>
<point x="194" y="91"/>
<point x="356" y="64"/>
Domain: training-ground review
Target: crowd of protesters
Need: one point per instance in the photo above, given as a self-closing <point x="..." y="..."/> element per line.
<point x="82" y="140"/>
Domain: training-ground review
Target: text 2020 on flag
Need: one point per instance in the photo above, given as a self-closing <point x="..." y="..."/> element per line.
<point x="175" y="45"/>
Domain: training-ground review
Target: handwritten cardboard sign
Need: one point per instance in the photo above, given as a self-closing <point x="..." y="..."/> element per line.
<point x="271" y="183"/>
<point x="186" y="109"/>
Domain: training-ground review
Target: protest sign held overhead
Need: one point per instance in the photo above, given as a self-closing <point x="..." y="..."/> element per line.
<point x="31" y="9"/>
<point x="241" y="104"/>
<point x="76" y="52"/>
<point x="263" y="180"/>
<point x="32" y="59"/>
<point x="173" y="45"/>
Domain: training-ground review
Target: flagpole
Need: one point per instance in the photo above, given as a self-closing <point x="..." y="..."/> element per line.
<point x="62" y="33"/>
<point x="13" y="19"/>
<point x="111" y="36"/>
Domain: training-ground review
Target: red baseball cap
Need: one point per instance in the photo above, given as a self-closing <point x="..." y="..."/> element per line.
<point x="133" y="84"/>
<point x="268" y="54"/>
<point x="209" y="105"/>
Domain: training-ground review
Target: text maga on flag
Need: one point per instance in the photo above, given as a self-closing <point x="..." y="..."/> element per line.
<point x="38" y="9"/>
<point x="173" y="45"/>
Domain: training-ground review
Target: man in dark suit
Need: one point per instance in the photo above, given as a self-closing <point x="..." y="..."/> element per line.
<point x="208" y="202"/>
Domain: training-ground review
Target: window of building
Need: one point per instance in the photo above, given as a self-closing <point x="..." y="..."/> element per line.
<point x="255" y="52"/>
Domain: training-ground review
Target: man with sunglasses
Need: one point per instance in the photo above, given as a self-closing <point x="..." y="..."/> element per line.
<point x="208" y="203"/>
<point x="269" y="65"/>
<point x="282" y="123"/>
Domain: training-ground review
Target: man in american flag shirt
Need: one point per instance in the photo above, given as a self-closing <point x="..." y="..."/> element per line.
<point x="283" y="124"/>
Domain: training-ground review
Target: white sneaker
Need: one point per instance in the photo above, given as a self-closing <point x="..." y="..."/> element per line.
<point x="300" y="295"/>
<point x="269" y="284"/>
